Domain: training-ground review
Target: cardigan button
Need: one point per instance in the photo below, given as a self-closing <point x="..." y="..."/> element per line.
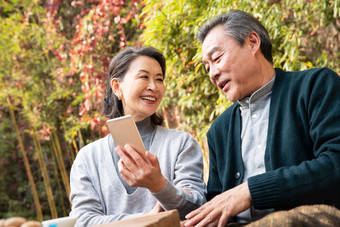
<point x="237" y="175"/>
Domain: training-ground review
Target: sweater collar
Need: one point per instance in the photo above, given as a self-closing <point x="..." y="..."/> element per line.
<point x="145" y="127"/>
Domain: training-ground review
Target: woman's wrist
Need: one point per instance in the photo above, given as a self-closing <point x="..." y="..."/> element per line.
<point x="158" y="186"/>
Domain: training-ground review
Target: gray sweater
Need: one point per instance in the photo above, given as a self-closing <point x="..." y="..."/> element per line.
<point x="99" y="196"/>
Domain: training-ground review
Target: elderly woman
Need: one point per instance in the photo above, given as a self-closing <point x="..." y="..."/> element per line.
<point x="110" y="183"/>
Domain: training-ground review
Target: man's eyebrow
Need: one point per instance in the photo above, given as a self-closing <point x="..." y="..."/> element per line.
<point x="210" y="53"/>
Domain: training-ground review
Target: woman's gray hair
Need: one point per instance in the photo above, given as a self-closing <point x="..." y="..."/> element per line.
<point x="118" y="67"/>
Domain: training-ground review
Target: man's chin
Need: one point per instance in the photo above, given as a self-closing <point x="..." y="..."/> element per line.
<point x="231" y="97"/>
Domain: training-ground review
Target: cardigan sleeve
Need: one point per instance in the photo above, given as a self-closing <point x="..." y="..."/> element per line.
<point x="86" y="202"/>
<point x="317" y="178"/>
<point x="188" y="168"/>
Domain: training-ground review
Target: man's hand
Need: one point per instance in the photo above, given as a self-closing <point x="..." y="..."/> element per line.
<point x="140" y="171"/>
<point x="222" y="207"/>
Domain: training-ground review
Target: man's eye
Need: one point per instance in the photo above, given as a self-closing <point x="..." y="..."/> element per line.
<point x="207" y="67"/>
<point x="216" y="59"/>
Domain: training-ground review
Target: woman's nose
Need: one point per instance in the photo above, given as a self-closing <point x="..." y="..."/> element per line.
<point x="152" y="85"/>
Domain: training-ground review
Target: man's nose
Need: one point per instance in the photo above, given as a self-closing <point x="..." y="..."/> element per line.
<point x="214" y="73"/>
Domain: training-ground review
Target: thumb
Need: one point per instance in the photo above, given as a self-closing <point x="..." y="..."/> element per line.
<point x="152" y="158"/>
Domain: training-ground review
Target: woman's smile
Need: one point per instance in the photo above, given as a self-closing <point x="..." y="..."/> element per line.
<point x="142" y="88"/>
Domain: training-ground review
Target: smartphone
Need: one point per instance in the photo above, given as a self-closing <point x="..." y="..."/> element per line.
<point x="124" y="131"/>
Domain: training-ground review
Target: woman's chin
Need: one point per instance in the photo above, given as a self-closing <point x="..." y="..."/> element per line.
<point x="141" y="117"/>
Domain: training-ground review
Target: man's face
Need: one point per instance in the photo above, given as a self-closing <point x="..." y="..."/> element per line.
<point x="231" y="67"/>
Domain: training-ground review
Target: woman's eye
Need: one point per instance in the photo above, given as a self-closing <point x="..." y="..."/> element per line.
<point x="160" y="79"/>
<point x="144" y="77"/>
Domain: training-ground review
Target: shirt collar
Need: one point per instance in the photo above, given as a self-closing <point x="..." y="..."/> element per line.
<point x="257" y="94"/>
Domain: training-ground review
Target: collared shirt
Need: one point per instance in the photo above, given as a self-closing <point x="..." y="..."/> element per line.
<point x="255" y="117"/>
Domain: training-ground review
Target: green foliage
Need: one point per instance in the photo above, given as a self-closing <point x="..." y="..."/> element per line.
<point x="171" y="27"/>
<point x="304" y="35"/>
<point x="29" y="76"/>
<point x="53" y="60"/>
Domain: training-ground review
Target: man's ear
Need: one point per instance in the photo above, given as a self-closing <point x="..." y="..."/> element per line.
<point x="254" y="42"/>
<point x="115" y="85"/>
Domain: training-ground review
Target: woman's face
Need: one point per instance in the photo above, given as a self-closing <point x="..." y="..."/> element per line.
<point x="142" y="88"/>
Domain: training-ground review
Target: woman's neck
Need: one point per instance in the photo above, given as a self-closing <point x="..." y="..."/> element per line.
<point x="146" y="131"/>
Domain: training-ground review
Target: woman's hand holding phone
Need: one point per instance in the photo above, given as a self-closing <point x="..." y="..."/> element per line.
<point x="140" y="171"/>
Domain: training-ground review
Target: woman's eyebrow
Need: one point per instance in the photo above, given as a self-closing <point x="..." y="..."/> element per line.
<point x="146" y="71"/>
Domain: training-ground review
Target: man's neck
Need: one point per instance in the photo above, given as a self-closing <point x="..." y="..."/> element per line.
<point x="267" y="72"/>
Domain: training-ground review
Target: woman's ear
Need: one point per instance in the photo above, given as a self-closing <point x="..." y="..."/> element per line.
<point x="254" y="42"/>
<point x="115" y="85"/>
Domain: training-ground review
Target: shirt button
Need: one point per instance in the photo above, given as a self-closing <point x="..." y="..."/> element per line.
<point x="237" y="175"/>
<point x="254" y="116"/>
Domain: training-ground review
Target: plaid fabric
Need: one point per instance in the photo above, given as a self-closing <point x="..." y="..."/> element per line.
<point x="308" y="215"/>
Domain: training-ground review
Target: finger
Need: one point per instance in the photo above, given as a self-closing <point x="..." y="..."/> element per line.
<point x="198" y="215"/>
<point x="121" y="165"/>
<point x="128" y="177"/>
<point x="213" y="224"/>
<point x="187" y="191"/>
<point x="124" y="172"/>
<point x="194" y="212"/>
<point x="223" y="220"/>
<point x="158" y="207"/>
<point x="126" y="158"/>
<point x="215" y="216"/>
<point x="152" y="158"/>
<point x="182" y="224"/>
<point x="135" y="155"/>
<point x="209" y="220"/>
<point x="122" y="153"/>
<point x="133" y="173"/>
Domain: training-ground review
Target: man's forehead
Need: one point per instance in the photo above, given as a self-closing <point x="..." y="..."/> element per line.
<point x="213" y="41"/>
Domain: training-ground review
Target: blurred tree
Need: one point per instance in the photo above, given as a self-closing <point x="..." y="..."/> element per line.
<point x="27" y="75"/>
<point x="52" y="68"/>
<point x="53" y="59"/>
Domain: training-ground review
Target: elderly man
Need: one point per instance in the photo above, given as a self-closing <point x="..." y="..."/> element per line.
<point x="278" y="146"/>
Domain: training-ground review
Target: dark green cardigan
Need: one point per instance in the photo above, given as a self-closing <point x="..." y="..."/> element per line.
<point x="302" y="157"/>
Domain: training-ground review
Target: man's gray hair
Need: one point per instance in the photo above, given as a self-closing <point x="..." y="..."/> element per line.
<point x="238" y="24"/>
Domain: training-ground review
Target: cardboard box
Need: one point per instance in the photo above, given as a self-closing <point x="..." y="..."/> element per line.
<point x="163" y="219"/>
